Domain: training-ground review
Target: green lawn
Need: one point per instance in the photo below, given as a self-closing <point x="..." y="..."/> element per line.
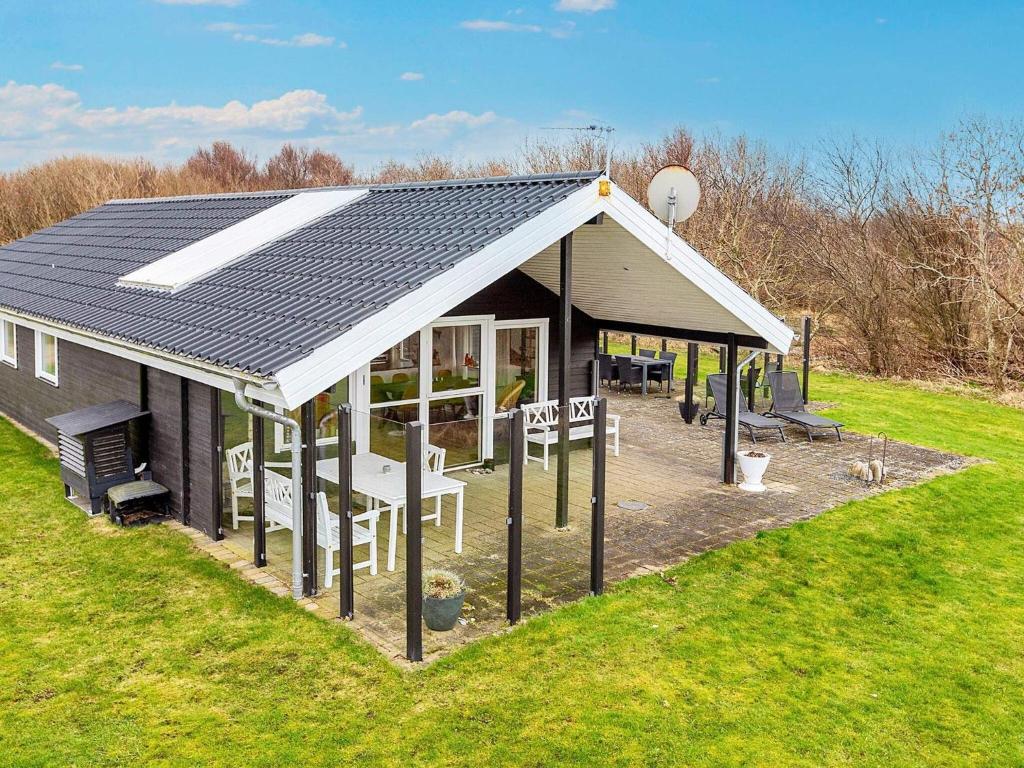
<point x="886" y="632"/>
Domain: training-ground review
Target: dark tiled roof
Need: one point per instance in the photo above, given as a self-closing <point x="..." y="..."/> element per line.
<point x="278" y="304"/>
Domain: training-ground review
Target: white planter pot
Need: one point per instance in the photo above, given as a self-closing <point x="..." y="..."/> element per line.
<point x="753" y="469"/>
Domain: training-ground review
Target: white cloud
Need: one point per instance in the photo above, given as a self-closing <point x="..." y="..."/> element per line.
<point x="563" y="30"/>
<point x="307" y="40"/>
<point x="485" y="25"/>
<point x="43" y="121"/>
<point x="411" y="76"/>
<point x="584" y="6"/>
<point x="60" y="65"/>
<point x="224" y="3"/>
<point x="450" y="121"/>
<point x="230" y="26"/>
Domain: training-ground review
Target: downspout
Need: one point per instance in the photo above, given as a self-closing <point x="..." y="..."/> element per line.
<point x="293" y="425"/>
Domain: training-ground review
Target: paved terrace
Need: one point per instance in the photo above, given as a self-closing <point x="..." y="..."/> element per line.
<point x="669" y="466"/>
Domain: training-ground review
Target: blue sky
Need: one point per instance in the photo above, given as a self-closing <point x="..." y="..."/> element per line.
<point x="377" y="80"/>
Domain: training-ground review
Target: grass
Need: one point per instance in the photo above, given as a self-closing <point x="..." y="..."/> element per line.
<point x="887" y="632"/>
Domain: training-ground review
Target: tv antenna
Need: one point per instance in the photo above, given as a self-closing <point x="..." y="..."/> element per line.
<point x="605" y="130"/>
<point x="673" y="195"/>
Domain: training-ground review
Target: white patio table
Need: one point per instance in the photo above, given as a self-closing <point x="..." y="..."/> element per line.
<point x="388" y="488"/>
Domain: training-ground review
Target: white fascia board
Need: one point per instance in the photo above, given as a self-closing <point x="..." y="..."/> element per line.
<point x="210" y="375"/>
<point x="342" y="356"/>
<point x="197" y="260"/>
<point x="650" y="231"/>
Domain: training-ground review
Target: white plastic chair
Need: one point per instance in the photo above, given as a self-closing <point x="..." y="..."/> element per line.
<point x="433" y="461"/>
<point x="328" y="536"/>
<point x="239" y="461"/>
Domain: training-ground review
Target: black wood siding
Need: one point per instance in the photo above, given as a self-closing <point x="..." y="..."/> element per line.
<point x="165" y="434"/>
<point x="203" y="460"/>
<point x="517" y="296"/>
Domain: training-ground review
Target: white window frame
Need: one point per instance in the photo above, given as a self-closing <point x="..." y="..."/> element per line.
<point x="9" y="356"/>
<point x="49" y="378"/>
<point x="542" y="326"/>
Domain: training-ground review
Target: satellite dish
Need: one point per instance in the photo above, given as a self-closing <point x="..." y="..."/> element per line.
<point x="673" y="194"/>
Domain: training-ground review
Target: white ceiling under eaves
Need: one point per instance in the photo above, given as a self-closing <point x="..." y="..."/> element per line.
<point x="176" y="270"/>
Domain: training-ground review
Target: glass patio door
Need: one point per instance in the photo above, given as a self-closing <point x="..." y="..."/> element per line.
<point x="455" y="399"/>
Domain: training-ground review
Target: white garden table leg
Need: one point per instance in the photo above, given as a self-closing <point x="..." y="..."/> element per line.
<point x="393" y="536"/>
<point x="458" y="522"/>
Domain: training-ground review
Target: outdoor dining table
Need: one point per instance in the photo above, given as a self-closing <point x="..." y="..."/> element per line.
<point x="650" y="362"/>
<point x="388" y="488"/>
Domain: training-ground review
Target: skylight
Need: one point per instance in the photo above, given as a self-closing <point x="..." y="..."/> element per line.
<point x="201" y="258"/>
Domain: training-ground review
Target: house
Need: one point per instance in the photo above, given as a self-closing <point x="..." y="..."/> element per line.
<point x="426" y="301"/>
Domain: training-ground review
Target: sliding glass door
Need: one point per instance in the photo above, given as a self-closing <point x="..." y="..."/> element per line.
<point x="455" y="399"/>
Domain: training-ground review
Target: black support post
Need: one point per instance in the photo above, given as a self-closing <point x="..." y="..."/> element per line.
<point x="309" y="580"/>
<point x="807" y="357"/>
<point x="259" y="524"/>
<point x="514" y="590"/>
<point x="347" y="585"/>
<point x="731" y="413"/>
<point x="692" y="352"/>
<point x="721" y="358"/>
<point x="632" y="345"/>
<point x="414" y="541"/>
<point x="597" y="498"/>
<point x="751" y="380"/>
<point x="564" y="363"/>
<point x="604" y="342"/>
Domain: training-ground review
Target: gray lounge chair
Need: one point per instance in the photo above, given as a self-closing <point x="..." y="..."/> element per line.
<point x="788" y="404"/>
<point x="718" y="383"/>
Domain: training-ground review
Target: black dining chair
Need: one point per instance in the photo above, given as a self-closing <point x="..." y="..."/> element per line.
<point x="647" y="353"/>
<point x="663" y="373"/>
<point x="607" y="368"/>
<point x="629" y="375"/>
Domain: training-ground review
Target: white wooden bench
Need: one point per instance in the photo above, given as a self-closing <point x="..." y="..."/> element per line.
<point x="541" y="424"/>
<point x="278" y="514"/>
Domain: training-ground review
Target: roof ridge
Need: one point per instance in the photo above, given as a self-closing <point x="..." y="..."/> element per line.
<point x="476" y="181"/>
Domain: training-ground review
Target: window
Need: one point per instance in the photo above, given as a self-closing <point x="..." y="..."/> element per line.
<point x="9" y="343"/>
<point x="517" y="361"/>
<point x="46" y="357"/>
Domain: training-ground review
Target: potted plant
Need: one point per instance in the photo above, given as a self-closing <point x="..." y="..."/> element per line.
<point x="443" y="595"/>
<point x="753" y="465"/>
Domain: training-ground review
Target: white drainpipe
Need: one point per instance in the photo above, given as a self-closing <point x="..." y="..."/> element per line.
<point x="293" y="425"/>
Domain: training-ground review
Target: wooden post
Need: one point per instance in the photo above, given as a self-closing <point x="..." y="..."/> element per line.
<point x="664" y="345"/>
<point x="731" y="413"/>
<point x="632" y="345"/>
<point x="722" y="359"/>
<point x="597" y="497"/>
<point x="564" y="363"/>
<point x="414" y="541"/>
<point x="604" y="342"/>
<point x="807" y="357"/>
<point x="692" y="352"/>
<point x="514" y="589"/>
<point x="347" y="585"/>
<point x="751" y="380"/>
<point x="562" y="480"/>
<point x="309" y="580"/>
<point x="259" y="521"/>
